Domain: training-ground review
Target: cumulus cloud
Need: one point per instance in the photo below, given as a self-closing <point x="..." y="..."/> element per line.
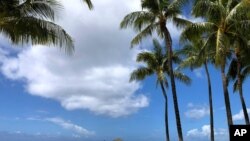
<point x="197" y="111"/>
<point x="96" y="77"/>
<point x="204" y="134"/>
<point x="240" y="115"/>
<point x="70" y="126"/>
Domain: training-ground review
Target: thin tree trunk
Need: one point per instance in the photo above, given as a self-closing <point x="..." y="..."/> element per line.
<point x="166" y="111"/>
<point x="172" y="79"/>
<point x="243" y="104"/>
<point x="226" y="97"/>
<point x="210" y="103"/>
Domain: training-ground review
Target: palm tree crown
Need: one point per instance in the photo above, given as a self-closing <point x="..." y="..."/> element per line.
<point x="156" y="63"/>
<point x="223" y="21"/>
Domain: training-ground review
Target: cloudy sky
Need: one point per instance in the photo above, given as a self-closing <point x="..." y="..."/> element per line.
<point x="46" y="94"/>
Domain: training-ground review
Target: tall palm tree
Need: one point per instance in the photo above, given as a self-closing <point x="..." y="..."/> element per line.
<point x="223" y="18"/>
<point x="156" y="63"/>
<point x="239" y="70"/>
<point x="31" y="22"/>
<point x="154" y="16"/>
<point x="196" y="57"/>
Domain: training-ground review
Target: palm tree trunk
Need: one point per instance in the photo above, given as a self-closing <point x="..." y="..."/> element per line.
<point x="210" y="103"/>
<point x="226" y="96"/>
<point x="243" y="104"/>
<point x="166" y="111"/>
<point x="172" y="79"/>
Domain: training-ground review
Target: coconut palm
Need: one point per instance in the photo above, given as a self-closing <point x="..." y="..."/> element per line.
<point x="156" y="63"/>
<point x="154" y="16"/>
<point x="196" y="57"/>
<point x="31" y="22"/>
<point x="239" y="70"/>
<point x="223" y="18"/>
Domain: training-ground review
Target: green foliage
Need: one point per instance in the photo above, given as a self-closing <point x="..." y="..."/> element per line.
<point x="155" y="62"/>
<point x="224" y="21"/>
<point x="31" y="22"/>
<point x="150" y="19"/>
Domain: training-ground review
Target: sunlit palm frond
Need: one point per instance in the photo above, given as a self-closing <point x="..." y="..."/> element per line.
<point x="196" y="30"/>
<point x="140" y="74"/>
<point x="40" y="8"/>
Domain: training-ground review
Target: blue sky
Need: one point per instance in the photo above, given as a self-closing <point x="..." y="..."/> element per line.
<point x="47" y="95"/>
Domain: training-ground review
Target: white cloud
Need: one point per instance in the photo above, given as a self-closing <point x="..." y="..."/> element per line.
<point x="240" y="115"/>
<point x="78" y="130"/>
<point x="197" y="111"/>
<point x="204" y="134"/>
<point x="199" y="73"/>
<point x="96" y="77"/>
<point x="70" y="126"/>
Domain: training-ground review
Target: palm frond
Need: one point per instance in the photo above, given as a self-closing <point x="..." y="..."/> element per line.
<point x="89" y="3"/>
<point x="137" y="20"/>
<point x="140" y="74"/>
<point x="147" y="57"/>
<point x="37" y="31"/>
<point x="151" y="5"/>
<point x="40" y="8"/>
<point x="245" y="72"/>
<point x="182" y="77"/>
<point x="208" y="9"/>
<point x="175" y="6"/>
<point x="196" y="30"/>
<point x="144" y="33"/>
<point x="235" y="86"/>
<point x="239" y="11"/>
<point x="232" y="71"/>
<point x="180" y="22"/>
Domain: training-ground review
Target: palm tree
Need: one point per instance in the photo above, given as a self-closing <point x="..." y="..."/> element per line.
<point x="239" y="70"/>
<point x="156" y="63"/>
<point x="223" y="18"/>
<point x="154" y="16"/>
<point x="197" y="57"/>
<point x="31" y="22"/>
